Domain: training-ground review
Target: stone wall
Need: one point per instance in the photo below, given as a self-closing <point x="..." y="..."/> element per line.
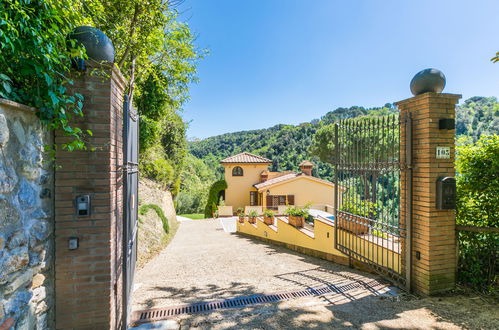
<point x="26" y="219"/>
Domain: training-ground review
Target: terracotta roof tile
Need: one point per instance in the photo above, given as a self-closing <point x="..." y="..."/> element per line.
<point x="287" y="177"/>
<point x="276" y="180"/>
<point x="272" y="175"/>
<point x="246" y="157"/>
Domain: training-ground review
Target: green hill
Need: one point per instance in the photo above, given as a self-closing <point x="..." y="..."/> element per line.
<point x="288" y="145"/>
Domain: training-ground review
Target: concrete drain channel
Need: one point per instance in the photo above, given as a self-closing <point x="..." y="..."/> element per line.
<point x="158" y="314"/>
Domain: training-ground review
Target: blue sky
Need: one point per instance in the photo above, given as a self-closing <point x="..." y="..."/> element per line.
<point x="290" y="61"/>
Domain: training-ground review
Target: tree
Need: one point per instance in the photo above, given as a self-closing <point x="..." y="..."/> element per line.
<point x="477" y="166"/>
<point x="495" y="59"/>
<point x="478" y="205"/>
<point x="477" y="116"/>
<point x="156" y="53"/>
<point x="36" y="57"/>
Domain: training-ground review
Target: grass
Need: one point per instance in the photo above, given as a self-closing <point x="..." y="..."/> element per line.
<point x="193" y="216"/>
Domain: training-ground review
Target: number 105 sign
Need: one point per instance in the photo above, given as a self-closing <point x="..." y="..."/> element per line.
<point x="443" y="152"/>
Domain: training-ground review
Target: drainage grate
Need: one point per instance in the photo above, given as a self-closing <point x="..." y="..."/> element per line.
<point x="239" y="302"/>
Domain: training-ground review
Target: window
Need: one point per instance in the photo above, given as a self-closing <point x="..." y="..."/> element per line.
<point x="237" y="171"/>
<point x="253" y="198"/>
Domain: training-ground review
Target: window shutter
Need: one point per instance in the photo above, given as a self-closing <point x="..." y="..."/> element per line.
<point x="291" y="199"/>
<point x="269" y="201"/>
<point x="253" y="198"/>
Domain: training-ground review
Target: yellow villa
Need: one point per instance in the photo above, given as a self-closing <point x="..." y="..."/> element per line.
<point x="250" y="183"/>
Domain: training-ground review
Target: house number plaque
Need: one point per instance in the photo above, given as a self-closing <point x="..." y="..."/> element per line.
<point x="443" y="152"/>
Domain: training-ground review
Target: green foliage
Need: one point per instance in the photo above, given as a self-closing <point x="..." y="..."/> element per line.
<point x="253" y="214"/>
<point x="145" y="208"/>
<point x="298" y="211"/>
<point x="154" y="165"/>
<point x="157" y="54"/>
<point x="478" y="182"/>
<point x="495" y="59"/>
<point x="478" y="205"/>
<point x="268" y="213"/>
<point x="477" y="116"/>
<point x="196" y="179"/>
<point x="213" y="195"/>
<point x="193" y="216"/>
<point x="240" y="212"/>
<point x="36" y="59"/>
<point x="362" y="208"/>
<point x="286" y="145"/>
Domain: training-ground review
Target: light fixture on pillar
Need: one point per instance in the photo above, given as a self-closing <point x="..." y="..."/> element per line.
<point x="268" y="192"/>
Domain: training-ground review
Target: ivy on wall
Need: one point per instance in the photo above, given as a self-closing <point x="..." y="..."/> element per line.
<point x="36" y="57"/>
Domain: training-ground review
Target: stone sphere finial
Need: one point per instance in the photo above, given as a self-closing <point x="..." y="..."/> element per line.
<point x="98" y="46"/>
<point x="428" y="80"/>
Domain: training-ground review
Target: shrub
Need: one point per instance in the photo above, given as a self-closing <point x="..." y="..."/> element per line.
<point x="362" y="208"/>
<point x="145" y="208"/>
<point x="478" y="205"/>
<point x="297" y="211"/>
<point x="253" y="214"/>
<point x="268" y="213"/>
<point x="240" y="212"/>
<point x="213" y="197"/>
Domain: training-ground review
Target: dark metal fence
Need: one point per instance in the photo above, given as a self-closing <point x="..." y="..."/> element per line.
<point x="130" y="202"/>
<point x="367" y="172"/>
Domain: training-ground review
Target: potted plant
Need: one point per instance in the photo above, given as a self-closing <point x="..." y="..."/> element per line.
<point x="296" y="215"/>
<point x="355" y="216"/>
<point x="268" y="217"/>
<point x="240" y="214"/>
<point x="252" y="216"/>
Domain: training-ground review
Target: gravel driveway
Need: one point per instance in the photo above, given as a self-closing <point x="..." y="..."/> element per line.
<point x="203" y="262"/>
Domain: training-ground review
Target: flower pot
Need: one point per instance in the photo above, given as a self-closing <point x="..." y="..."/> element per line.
<point x="241" y="219"/>
<point x="296" y="221"/>
<point x="252" y="219"/>
<point x="268" y="220"/>
<point x="355" y="224"/>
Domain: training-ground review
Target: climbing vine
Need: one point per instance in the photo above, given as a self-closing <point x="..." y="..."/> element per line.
<point x="36" y="57"/>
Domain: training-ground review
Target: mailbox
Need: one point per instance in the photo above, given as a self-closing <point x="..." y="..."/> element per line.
<point x="446" y="193"/>
<point x="82" y="204"/>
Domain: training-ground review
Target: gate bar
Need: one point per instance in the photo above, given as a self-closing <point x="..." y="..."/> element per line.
<point x="408" y="201"/>
<point x="337" y="149"/>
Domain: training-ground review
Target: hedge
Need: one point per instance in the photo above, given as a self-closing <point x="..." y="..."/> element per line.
<point x="144" y="208"/>
<point x="212" y="202"/>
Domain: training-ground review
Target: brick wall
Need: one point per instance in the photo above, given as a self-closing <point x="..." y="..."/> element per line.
<point x="433" y="230"/>
<point x="88" y="279"/>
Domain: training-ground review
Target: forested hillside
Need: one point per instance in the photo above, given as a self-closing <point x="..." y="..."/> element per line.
<point x="288" y="145"/>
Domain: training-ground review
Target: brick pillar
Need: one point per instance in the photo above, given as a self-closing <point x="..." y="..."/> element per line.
<point x="433" y="252"/>
<point x="88" y="279"/>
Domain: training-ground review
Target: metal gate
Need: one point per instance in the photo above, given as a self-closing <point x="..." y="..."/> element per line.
<point x="368" y="223"/>
<point x="130" y="202"/>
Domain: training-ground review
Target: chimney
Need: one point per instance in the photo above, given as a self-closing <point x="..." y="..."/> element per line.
<point x="264" y="176"/>
<point x="306" y="167"/>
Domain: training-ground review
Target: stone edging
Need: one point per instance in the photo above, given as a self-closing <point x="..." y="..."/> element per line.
<point x="18" y="106"/>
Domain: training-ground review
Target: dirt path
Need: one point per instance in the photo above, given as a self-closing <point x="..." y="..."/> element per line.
<point x="203" y="262"/>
